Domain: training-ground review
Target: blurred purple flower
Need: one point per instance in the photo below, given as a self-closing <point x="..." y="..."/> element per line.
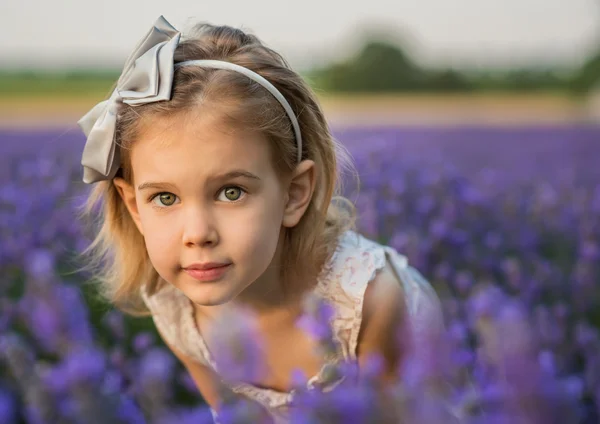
<point x="40" y="265"/>
<point x="114" y="322"/>
<point x="157" y="364"/>
<point x="316" y="322"/>
<point x="547" y="362"/>
<point x="586" y="336"/>
<point x="44" y="321"/>
<point x="448" y="201"/>
<point x="84" y="365"/>
<point x="199" y="415"/>
<point x="154" y="377"/>
<point x="458" y="332"/>
<point x="21" y="362"/>
<point x="142" y="342"/>
<point x="118" y="358"/>
<point x="463" y="281"/>
<point x="237" y="346"/>
<point x="242" y="411"/>
<point x="8" y="407"/>
<point x="128" y="412"/>
<point x="347" y="403"/>
<point x="485" y="301"/>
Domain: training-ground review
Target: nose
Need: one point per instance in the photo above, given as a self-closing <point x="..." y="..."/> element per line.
<point x="199" y="228"/>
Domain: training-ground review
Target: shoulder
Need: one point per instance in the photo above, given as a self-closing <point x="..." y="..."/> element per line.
<point x="383" y="296"/>
<point x="355" y="263"/>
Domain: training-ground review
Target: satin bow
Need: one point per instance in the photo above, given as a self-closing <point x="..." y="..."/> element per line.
<point x="147" y="77"/>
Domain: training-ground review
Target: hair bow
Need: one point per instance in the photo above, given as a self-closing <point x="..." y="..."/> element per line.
<point x="147" y="77"/>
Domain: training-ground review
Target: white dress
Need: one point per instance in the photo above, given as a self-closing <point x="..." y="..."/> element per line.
<point x="342" y="283"/>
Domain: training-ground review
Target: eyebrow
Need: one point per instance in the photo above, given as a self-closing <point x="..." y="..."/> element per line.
<point x="236" y="173"/>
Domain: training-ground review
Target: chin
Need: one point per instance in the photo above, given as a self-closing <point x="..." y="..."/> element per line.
<point x="209" y="301"/>
<point x="207" y="294"/>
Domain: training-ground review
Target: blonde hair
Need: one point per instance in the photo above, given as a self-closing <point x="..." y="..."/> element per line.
<point x="118" y="255"/>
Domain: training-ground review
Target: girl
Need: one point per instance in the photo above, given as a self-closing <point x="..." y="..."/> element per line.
<point x="216" y="169"/>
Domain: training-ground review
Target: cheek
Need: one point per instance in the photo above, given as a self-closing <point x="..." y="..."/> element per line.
<point x="256" y="233"/>
<point x="159" y="239"/>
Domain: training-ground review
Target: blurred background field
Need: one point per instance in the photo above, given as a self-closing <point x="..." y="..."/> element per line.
<point x="381" y="81"/>
<point x="379" y="85"/>
<point x="482" y="170"/>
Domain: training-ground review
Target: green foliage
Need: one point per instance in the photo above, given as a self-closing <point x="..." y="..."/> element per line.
<point x="66" y="83"/>
<point x="588" y="77"/>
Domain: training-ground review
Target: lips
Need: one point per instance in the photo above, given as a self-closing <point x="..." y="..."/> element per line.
<point x="208" y="272"/>
<point x="206" y="265"/>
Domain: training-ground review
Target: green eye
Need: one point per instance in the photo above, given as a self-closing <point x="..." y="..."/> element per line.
<point x="233" y="193"/>
<point x="166" y="199"/>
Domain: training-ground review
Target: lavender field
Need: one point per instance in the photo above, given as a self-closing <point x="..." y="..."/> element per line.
<point x="505" y="223"/>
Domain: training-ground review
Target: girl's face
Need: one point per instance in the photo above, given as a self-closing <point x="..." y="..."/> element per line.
<point x="203" y="195"/>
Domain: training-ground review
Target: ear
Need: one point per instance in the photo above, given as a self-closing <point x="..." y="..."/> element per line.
<point x="127" y="193"/>
<point x="300" y="192"/>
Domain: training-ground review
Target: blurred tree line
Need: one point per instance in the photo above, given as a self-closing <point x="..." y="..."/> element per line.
<point x="381" y="66"/>
<point x="378" y="67"/>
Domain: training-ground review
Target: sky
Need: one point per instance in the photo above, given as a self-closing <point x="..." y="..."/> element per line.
<point x="457" y="33"/>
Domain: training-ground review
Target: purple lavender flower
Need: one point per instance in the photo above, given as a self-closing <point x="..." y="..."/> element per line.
<point x="237" y="346"/>
<point x="316" y="322"/>
<point x="40" y="265"/>
<point x="84" y="366"/>
<point x="128" y="412"/>
<point x="114" y="322"/>
<point x="243" y="411"/>
<point x="463" y="282"/>
<point x="21" y="363"/>
<point x="8" y="407"/>
<point x="200" y="415"/>
<point x="346" y="404"/>
<point x="467" y="206"/>
<point x="44" y="321"/>
<point x="157" y="364"/>
<point x="154" y="376"/>
<point x="142" y="342"/>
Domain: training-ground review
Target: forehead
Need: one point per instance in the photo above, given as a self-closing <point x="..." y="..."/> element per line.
<point x="200" y="145"/>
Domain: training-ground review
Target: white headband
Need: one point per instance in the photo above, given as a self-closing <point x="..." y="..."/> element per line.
<point x="147" y="77"/>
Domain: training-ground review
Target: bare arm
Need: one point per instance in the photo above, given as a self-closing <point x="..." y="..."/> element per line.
<point x="206" y="380"/>
<point x="384" y="318"/>
<point x="208" y="383"/>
